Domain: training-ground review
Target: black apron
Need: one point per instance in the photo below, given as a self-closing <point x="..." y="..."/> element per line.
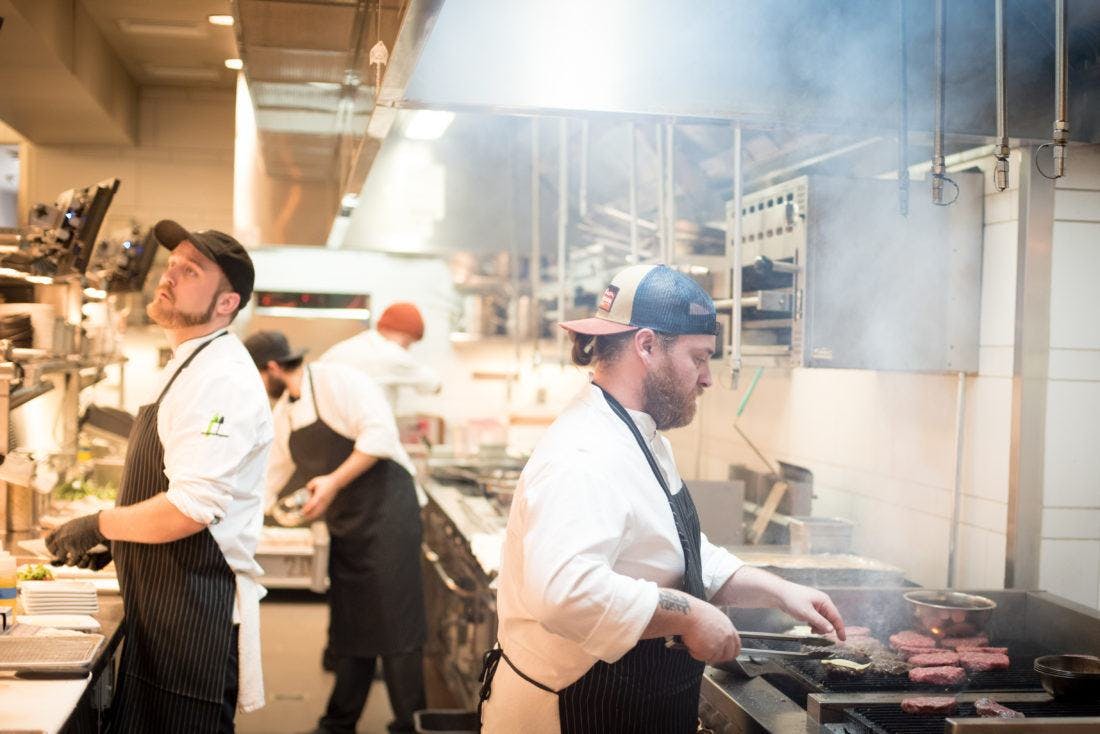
<point x="376" y="598"/>
<point x="178" y="602"/>
<point x="651" y="689"/>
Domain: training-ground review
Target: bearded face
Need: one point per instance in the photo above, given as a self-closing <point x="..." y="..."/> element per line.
<point x="670" y="394"/>
<point x="275" y="386"/>
<point x="168" y="315"/>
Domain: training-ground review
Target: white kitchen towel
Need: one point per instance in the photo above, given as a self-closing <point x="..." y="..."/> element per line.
<point x="250" y="663"/>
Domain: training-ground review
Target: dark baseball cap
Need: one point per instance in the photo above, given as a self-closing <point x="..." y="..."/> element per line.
<point x="650" y="297"/>
<point x="226" y="252"/>
<point x="271" y="346"/>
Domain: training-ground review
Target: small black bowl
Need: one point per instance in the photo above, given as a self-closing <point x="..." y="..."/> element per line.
<point x="1070" y="676"/>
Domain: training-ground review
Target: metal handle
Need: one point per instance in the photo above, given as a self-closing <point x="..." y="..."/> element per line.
<point x="433" y="558"/>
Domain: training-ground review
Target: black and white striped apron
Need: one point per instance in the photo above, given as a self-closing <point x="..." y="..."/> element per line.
<point x="178" y="601"/>
<point x="652" y="689"/>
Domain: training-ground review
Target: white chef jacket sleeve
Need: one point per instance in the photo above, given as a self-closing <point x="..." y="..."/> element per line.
<point x="280" y="467"/>
<point x="206" y="439"/>
<point x="359" y="410"/>
<point x="413" y="374"/>
<point x="718" y="565"/>
<point x="575" y="526"/>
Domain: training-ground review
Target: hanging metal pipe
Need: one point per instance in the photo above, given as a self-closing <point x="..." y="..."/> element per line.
<point x="956" y="505"/>
<point x="1000" y="171"/>
<point x="563" y="222"/>
<point x="662" y="230"/>
<point x="733" y="247"/>
<point x="582" y="181"/>
<point x="670" y="192"/>
<point x="535" y="270"/>
<point x="939" y="74"/>
<point x="633" y="192"/>
<point x="1061" y="90"/>
<point x="903" y="112"/>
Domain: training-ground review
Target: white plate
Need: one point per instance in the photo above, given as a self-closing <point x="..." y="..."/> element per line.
<point x="80" y="622"/>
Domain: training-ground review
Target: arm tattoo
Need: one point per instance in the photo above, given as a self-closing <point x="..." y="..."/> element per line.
<point x="673" y="602"/>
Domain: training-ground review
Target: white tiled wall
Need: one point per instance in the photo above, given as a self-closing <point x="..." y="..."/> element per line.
<point x="181" y="167"/>
<point x="1070" y="563"/>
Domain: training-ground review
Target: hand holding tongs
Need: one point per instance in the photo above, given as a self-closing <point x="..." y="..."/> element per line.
<point x="674" y="643"/>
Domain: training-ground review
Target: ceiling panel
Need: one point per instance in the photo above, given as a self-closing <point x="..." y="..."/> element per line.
<point x="302" y="25"/>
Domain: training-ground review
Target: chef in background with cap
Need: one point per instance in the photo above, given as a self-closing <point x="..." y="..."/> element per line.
<point x="383" y="354"/>
<point x="609" y="592"/>
<point x="335" y="436"/>
<point x="190" y="506"/>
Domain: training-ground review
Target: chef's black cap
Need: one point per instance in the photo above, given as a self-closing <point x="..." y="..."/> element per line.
<point x="271" y="346"/>
<point x="229" y="254"/>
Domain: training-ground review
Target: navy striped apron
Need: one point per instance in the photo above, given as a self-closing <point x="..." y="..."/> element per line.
<point x="178" y="602"/>
<point x="376" y="597"/>
<point x="651" y="689"/>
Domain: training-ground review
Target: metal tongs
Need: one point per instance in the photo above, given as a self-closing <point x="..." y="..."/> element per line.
<point x="674" y="643"/>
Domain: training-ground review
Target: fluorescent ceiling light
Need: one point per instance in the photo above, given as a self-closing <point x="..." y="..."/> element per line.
<point x="234" y="64"/>
<point x="428" y="124"/>
<point x="193" y="73"/>
<point x="161" y="28"/>
<point x="222" y="20"/>
<point x="324" y="85"/>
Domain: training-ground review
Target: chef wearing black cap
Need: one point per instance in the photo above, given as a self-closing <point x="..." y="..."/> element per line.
<point x="184" y="531"/>
<point x="335" y="435"/>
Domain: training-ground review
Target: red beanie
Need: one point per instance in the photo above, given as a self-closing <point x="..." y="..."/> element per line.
<point x="403" y="317"/>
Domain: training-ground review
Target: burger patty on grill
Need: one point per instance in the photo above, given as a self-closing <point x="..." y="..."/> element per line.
<point x="928" y="705"/>
<point x="946" y="675"/>
<point x="990" y="709"/>
<point x="911" y="638"/>
<point x="934" y="659"/>
<point x="977" y="662"/>
<point x="954" y="643"/>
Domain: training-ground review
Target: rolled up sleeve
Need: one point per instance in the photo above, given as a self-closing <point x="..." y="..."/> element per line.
<point x="718" y="565"/>
<point x="206" y="440"/>
<point x="574" y="530"/>
<point x="362" y="411"/>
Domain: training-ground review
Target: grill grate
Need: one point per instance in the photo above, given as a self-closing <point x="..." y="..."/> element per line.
<point x="1020" y="676"/>
<point x="888" y="718"/>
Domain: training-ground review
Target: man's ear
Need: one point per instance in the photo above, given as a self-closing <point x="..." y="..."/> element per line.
<point x="644" y="341"/>
<point x="228" y="302"/>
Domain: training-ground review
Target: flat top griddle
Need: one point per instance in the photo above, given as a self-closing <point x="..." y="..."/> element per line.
<point x="888" y="718"/>
<point x="1020" y="676"/>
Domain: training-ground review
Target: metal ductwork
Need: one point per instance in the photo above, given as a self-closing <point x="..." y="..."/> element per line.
<point x="307" y="64"/>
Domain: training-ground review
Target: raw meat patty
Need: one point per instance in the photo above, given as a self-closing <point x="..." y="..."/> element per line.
<point x="909" y="638"/>
<point x="997" y="650"/>
<point x="907" y="652"/>
<point x="947" y="675"/>
<point x="990" y="709"/>
<point x="954" y="643"/>
<point x="928" y="705"/>
<point x="977" y="662"/>
<point x="934" y="659"/>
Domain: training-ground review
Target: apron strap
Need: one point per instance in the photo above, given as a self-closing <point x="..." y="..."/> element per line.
<point x="618" y="409"/>
<point x="186" y="362"/>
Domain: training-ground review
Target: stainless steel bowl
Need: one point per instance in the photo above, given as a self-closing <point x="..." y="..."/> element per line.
<point x="949" y="613"/>
<point x="1070" y="676"/>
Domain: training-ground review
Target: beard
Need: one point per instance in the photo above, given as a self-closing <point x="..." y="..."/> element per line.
<point x="668" y="400"/>
<point x="167" y="316"/>
<point x="275" y="386"/>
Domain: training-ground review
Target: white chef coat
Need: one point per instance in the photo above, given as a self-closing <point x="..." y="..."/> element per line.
<point x="590" y="539"/>
<point x="350" y="403"/>
<point x="389" y="364"/>
<point x="216" y="430"/>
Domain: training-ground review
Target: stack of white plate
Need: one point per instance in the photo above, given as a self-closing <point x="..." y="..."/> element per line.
<point x="59" y="597"/>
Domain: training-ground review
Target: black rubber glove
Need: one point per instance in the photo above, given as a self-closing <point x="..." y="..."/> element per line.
<point x="94" y="561"/>
<point x="70" y="542"/>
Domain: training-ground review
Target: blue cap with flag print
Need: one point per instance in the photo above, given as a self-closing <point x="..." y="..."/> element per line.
<point x="650" y="297"/>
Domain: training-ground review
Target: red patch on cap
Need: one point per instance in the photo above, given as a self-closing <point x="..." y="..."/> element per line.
<point x="608" y="298"/>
